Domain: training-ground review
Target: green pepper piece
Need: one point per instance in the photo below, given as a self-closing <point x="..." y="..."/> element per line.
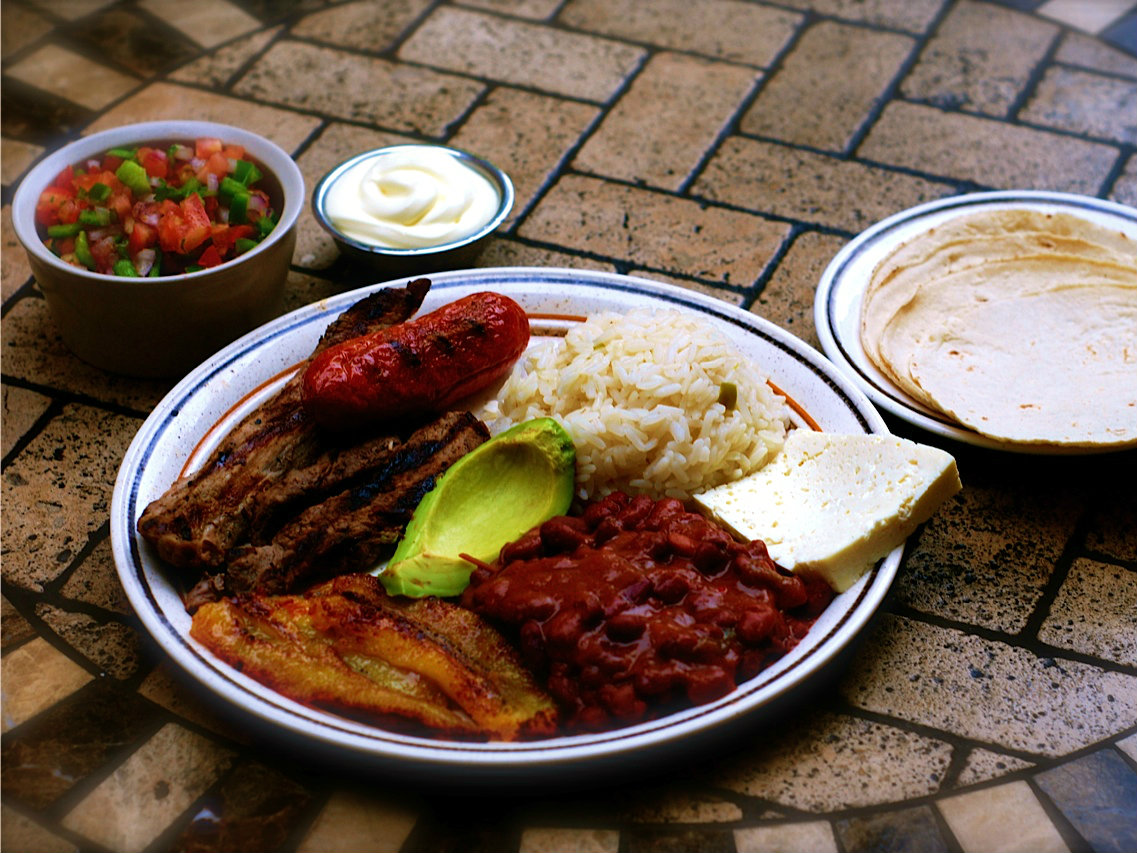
<point x="134" y="176"/>
<point x="194" y="268"/>
<point x="95" y="216"/>
<point x="243" y="244"/>
<point x="99" y="192"/>
<point x="246" y="172"/>
<point x="265" y="225"/>
<point x="156" y="270"/>
<point x="83" y="251"/>
<point x="229" y="188"/>
<point x="125" y="267"/>
<point x="239" y="208"/>
<point x="71" y="229"/>
<point x="124" y="153"/>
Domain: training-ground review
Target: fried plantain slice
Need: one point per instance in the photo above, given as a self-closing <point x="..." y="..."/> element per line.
<point x="348" y="647"/>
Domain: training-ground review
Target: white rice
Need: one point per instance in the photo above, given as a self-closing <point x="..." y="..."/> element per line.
<point x="639" y="394"/>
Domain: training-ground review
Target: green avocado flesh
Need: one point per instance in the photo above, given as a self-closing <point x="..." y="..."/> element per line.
<point x="485" y="500"/>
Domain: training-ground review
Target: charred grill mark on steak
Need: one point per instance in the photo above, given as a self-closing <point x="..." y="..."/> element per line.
<point x="201" y="518"/>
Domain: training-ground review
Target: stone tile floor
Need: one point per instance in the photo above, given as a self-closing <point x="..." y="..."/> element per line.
<point x="727" y="146"/>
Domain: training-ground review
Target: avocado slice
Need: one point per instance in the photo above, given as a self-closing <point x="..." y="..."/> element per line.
<point x="485" y="500"/>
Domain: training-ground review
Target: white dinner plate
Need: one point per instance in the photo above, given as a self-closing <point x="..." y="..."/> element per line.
<point x="185" y="426"/>
<point x="840" y="294"/>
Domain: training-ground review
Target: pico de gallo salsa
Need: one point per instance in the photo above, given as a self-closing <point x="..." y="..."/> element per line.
<point x="156" y="210"/>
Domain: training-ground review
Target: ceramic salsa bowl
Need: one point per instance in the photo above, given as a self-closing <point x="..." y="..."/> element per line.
<point x="163" y="326"/>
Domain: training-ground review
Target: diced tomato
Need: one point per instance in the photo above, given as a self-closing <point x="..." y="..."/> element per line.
<point x="234" y="152"/>
<point x="121" y="203"/>
<point x="105" y="254"/>
<point x="154" y="161"/>
<point x="142" y="236"/>
<point x="204" y="147"/>
<point x="65" y="180"/>
<point x="210" y="257"/>
<point x="50" y="201"/>
<point x="183" y="227"/>
<point x="216" y="164"/>
<point x="225" y="237"/>
<point x="111" y="163"/>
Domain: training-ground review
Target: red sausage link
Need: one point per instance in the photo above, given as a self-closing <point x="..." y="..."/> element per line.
<point x="424" y="365"/>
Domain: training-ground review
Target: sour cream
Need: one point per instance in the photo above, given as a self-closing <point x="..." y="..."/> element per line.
<point x="409" y="197"/>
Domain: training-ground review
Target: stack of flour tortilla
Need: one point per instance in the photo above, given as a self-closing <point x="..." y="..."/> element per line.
<point x="1019" y="324"/>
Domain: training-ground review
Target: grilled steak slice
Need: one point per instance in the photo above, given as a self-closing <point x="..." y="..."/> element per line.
<point x="349" y="531"/>
<point x="201" y="517"/>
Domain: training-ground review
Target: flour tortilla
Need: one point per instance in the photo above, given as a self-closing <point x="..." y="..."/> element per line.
<point x="1026" y="337"/>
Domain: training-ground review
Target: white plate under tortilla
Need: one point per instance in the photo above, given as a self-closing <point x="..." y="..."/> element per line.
<point x="840" y="294"/>
<point x="188" y="422"/>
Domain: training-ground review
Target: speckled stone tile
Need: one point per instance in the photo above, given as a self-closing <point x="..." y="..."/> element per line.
<point x="502" y="252"/>
<point x="172" y="691"/>
<point x="15" y="158"/>
<point x="656" y="230"/>
<point x="914" y="16"/>
<point x="160" y="101"/>
<point x="371" y="25"/>
<point x="72" y="741"/>
<point x="1091" y="17"/>
<point x="667" y="806"/>
<point x="359" y="88"/>
<point x="522" y="53"/>
<point x="1087" y="52"/>
<point x="19" y="832"/>
<point x="1004" y="817"/>
<point x="812" y="836"/>
<point x="208" y="22"/>
<point x="526" y="134"/>
<point x="35" y="676"/>
<point x="77" y="454"/>
<point x="95" y="582"/>
<point x="980" y="60"/>
<point x="72" y="9"/>
<point x="14" y="628"/>
<point x="818" y="764"/>
<point x="1096" y="794"/>
<point x="36" y="116"/>
<point x="692" y="839"/>
<point x="315" y="248"/>
<point x="1112" y="523"/>
<point x="127" y="39"/>
<point x="905" y="829"/>
<point x="69" y="75"/>
<point x="976" y="149"/>
<point x="787" y="298"/>
<point x="216" y="68"/>
<point x="724" y="29"/>
<point x="253" y="808"/>
<point x="34" y="352"/>
<point x="1095" y="612"/>
<point x="636" y="142"/>
<point x="1093" y="104"/>
<point x="112" y="647"/>
<point x="302" y="289"/>
<point x="996" y="574"/>
<point x="132" y="806"/>
<point x="20" y="27"/>
<point x="734" y="298"/>
<point x="1125" y="188"/>
<point x="1128" y="745"/>
<point x="569" y="840"/>
<point x="992" y="692"/>
<point x="353" y="821"/>
<point x="810" y="187"/>
<point x="817" y="97"/>
<point x="983" y="765"/>
<point x="535" y="9"/>
<point x="21" y="409"/>
<point x="14" y="265"/>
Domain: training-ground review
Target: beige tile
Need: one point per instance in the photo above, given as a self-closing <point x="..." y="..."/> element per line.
<point x="526" y="134"/>
<point x="970" y="148"/>
<point x="686" y="805"/>
<point x="359" y="88"/>
<point x="639" y="142"/>
<point x="1128" y="745"/>
<point x="95" y="581"/>
<point x="174" y="691"/>
<point x="912" y="15"/>
<point x="351" y="822"/>
<point x="1004" y="819"/>
<point x="981" y="58"/>
<point x="207" y="22"/>
<point x="1085" y="103"/>
<point x="1092" y="53"/>
<point x="19" y="28"/>
<point x="697" y="286"/>
<point x="57" y="492"/>
<point x="152" y="788"/>
<point x="995" y="693"/>
<point x="822" y="762"/>
<point x="72" y="77"/>
<point x="724" y="29"/>
<point x="802" y="185"/>
<point x="14" y="628"/>
<point x="16" y="157"/>
<point x="114" y="648"/>
<point x="18" y="832"/>
<point x="371" y="25"/>
<point x="805" y="837"/>
<point x="541" y="839"/>
<point x="215" y="68"/>
<point x="1125" y="188"/>
<point x="1095" y="612"/>
<point x="21" y="408"/>
<point x="522" y="53"/>
<point x="983" y="765"/>
<point x="1093" y="17"/>
<point x="660" y="231"/>
<point x="70" y="10"/>
<point x="160" y="101"/>
<point x="14" y="268"/>
<point x="535" y="9"/>
<point x="35" y="677"/>
<point x="787" y="298"/>
<point x="827" y="85"/>
<point x="503" y="252"/>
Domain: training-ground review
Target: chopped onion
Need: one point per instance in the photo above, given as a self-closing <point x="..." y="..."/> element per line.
<point x="144" y="261"/>
<point x="212" y="182"/>
<point x="183" y="152"/>
<point x="258" y="203"/>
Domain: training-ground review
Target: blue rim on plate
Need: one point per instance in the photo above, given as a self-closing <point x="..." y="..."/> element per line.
<point x="840" y="293"/>
<point x="224" y="388"/>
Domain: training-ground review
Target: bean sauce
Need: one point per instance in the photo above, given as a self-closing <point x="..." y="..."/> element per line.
<point x="637" y="607"/>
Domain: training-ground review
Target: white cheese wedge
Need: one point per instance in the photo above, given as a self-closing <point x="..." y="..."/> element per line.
<point x="835" y="504"/>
